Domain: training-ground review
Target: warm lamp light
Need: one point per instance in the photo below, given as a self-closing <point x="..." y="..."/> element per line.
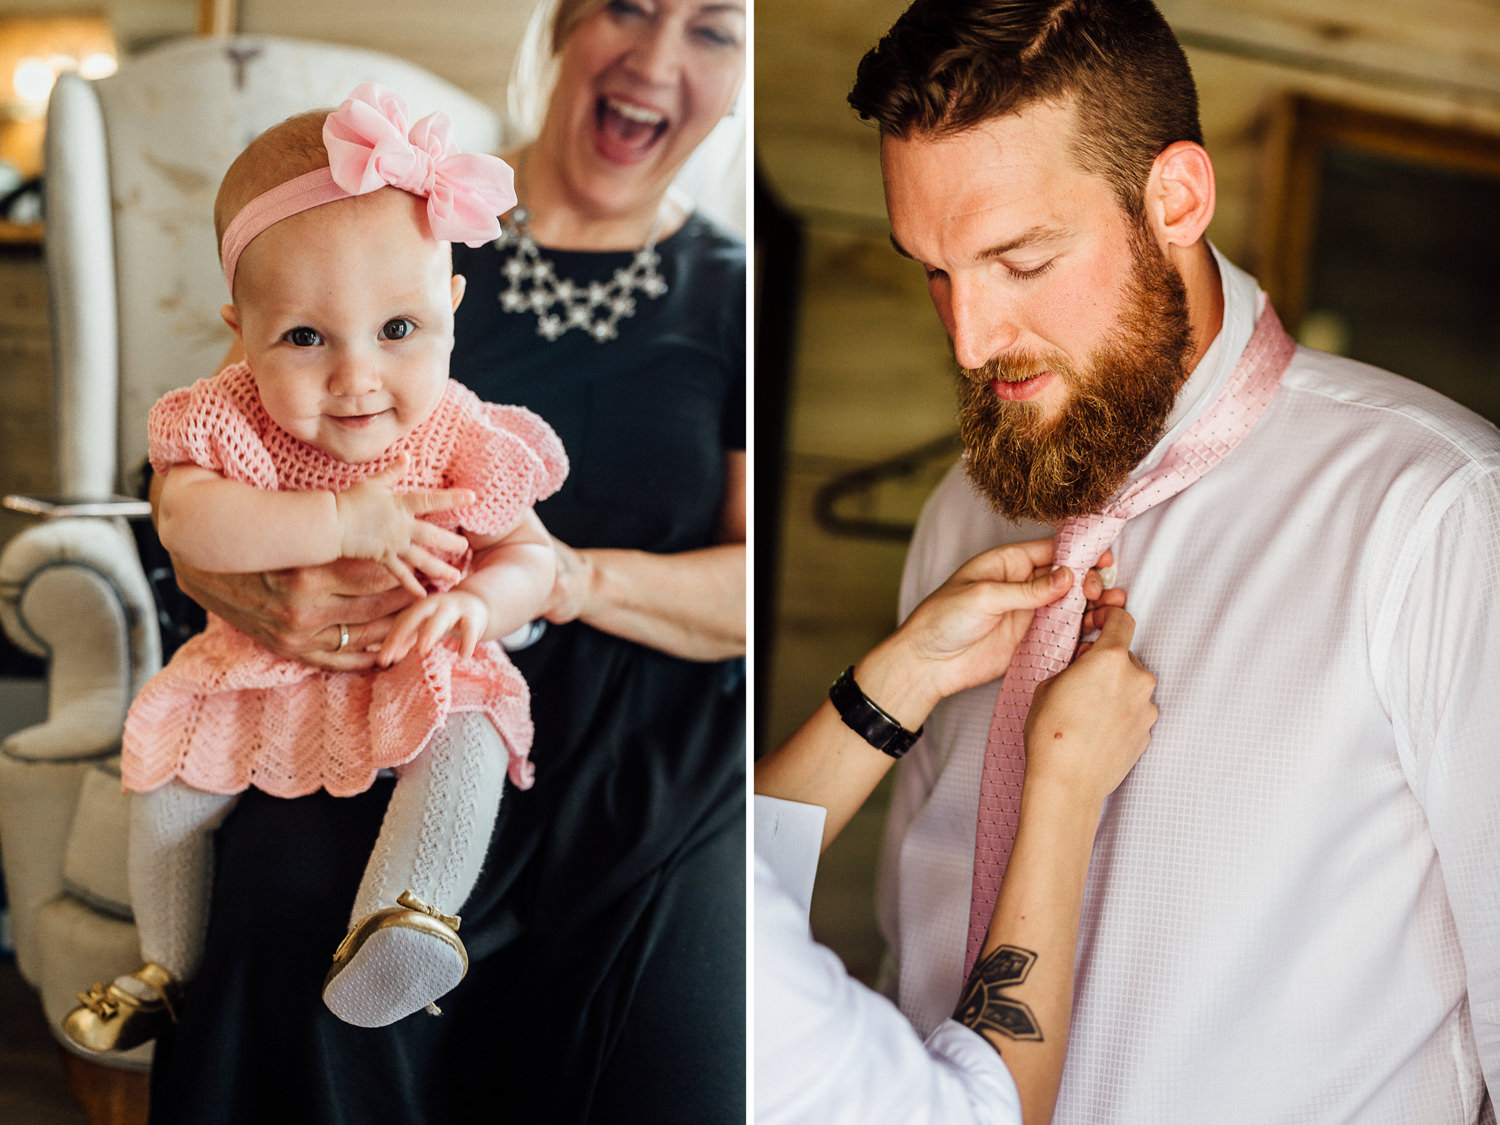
<point x="98" y="64"/>
<point x="34" y="50"/>
<point x="33" y="80"/>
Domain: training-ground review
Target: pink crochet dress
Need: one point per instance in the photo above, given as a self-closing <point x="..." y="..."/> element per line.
<point x="225" y="714"/>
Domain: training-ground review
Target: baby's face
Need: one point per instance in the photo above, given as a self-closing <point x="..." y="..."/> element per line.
<point x="346" y="315"/>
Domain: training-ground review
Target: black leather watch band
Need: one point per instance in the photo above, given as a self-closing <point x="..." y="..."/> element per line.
<point x="866" y="719"/>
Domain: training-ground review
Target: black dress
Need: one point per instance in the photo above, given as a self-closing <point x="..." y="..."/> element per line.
<point x="606" y="936"/>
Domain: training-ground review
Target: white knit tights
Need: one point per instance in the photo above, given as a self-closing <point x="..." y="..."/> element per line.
<point x="171" y="870"/>
<point x="438" y="824"/>
<point x="432" y="842"/>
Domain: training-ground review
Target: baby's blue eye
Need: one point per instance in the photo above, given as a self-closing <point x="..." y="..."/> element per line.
<point x="397" y="329"/>
<point x="303" y="337"/>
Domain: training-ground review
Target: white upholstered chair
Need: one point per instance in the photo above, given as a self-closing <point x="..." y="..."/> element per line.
<point x="133" y="163"/>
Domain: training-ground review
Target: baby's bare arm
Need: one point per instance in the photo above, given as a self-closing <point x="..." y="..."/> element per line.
<point x="214" y="524"/>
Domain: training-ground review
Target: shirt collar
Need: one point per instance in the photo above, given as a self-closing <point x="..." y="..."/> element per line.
<point x="1242" y="301"/>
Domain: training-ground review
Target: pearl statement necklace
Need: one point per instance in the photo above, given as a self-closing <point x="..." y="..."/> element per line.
<point x="561" y="304"/>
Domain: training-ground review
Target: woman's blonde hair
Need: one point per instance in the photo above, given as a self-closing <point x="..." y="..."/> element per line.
<point x="533" y="71"/>
<point x="569" y="14"/>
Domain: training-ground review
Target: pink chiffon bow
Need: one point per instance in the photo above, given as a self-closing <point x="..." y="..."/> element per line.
<point x="369" y="147"/>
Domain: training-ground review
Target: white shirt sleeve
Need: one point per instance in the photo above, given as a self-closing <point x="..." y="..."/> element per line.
<point x="828" y="1050"/>
<point x="1442" y="685"/>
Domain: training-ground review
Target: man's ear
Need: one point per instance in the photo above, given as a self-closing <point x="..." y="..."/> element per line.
<point x="1180" y="194"/>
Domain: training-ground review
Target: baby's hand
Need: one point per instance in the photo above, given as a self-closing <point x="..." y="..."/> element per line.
<point x="380" y="524"/>
<point x="456" y="613"/>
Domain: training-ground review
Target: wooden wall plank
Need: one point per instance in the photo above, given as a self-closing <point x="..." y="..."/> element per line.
<point x="1438" y="62"/>
<point x="1450" y="45"/>
<point x="468" y="42"/>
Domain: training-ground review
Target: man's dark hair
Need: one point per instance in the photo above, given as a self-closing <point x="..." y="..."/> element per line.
<point x="948" y="65"/>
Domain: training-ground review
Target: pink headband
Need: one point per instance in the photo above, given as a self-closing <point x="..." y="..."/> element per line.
<point x="369" y="148"/>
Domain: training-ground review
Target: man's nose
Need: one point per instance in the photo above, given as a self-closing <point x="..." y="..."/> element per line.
<point x="982" y="322"/>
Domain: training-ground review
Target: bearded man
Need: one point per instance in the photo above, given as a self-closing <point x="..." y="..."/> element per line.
<point x="1293" y="908"/>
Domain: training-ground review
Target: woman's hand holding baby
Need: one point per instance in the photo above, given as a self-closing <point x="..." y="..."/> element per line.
<point x="380" y="524"/>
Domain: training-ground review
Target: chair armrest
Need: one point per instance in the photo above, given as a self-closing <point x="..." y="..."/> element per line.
<point x="72" y="590"/>
<point x="81" y="289"/>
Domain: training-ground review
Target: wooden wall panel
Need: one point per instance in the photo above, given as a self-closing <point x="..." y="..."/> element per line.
<point x="1437" y="61"/>
<point x="813" y="149"/>
<point x="469" y="42"/>
<point x="1446" y="46"/>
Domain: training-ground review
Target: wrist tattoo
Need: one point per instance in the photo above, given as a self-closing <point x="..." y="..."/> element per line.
<point x="984" y="1007"/>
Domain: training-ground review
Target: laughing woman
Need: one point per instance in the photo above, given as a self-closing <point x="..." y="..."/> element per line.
<point x="606" y="937"/>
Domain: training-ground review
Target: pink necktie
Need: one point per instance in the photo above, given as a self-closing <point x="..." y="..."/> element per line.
<point x="1049" y="644"/>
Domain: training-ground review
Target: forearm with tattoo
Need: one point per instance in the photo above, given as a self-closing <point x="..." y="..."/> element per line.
<point x="985" y="1007"/>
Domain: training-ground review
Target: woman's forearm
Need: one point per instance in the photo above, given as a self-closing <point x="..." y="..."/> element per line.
<point x="1020" y="994"/>
<point x="825" y="763"/>
<point x="961" y="635"/>
<point x="1084" y="732"/>
<point x="690" y="605"/>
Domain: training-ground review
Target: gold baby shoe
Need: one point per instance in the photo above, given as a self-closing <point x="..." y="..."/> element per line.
<point x="112" y="1019"/>
<point x="395" y="962"/>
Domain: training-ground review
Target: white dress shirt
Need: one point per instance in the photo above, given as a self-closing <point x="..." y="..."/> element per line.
<point x="829" y="1051"/>
<point x="1293" y="910"/>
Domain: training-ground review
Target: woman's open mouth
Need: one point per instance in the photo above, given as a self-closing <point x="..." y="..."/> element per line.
<point x="625" y="132"/>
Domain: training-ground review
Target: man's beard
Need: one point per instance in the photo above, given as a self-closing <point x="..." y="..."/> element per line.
<point x="1117" y="411"/>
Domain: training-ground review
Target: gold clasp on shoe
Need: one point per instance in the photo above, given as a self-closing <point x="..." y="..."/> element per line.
<point x="412" y="902"/>
<point x="97" y="1000"/>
